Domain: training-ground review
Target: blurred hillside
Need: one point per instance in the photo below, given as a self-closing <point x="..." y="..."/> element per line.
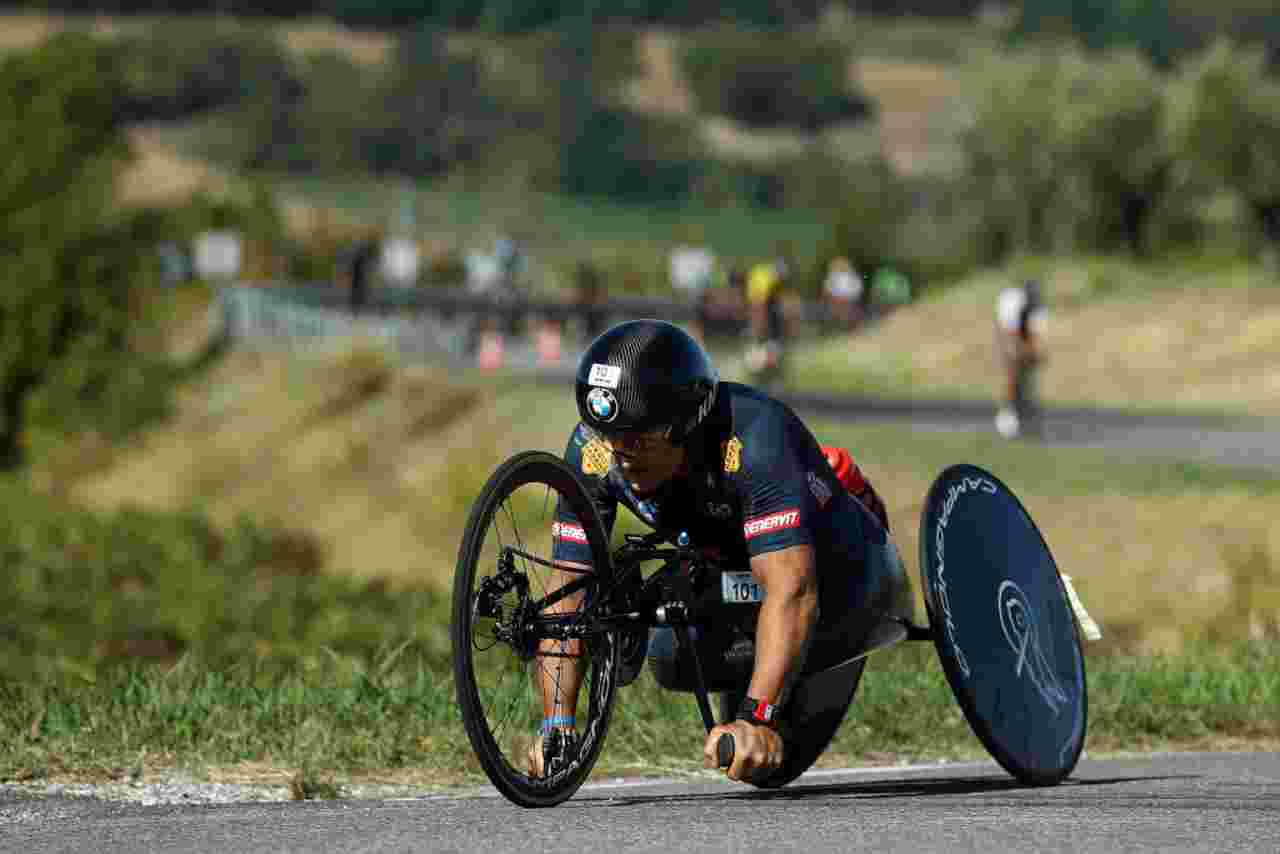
<point x="940" y="137"/>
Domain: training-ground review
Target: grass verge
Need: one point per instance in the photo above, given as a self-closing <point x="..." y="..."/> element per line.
<point x="392" y="717"/>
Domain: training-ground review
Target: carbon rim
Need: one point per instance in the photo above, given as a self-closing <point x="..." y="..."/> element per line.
<point x="501" y="636"/>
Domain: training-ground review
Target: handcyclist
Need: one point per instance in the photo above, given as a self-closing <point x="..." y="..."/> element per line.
<point x="745" y="480"/>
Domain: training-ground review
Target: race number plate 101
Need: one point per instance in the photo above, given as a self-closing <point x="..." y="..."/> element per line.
<point x="740" y="587"/>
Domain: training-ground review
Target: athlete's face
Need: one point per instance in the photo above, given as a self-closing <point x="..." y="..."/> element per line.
<point x="646" y="460"/>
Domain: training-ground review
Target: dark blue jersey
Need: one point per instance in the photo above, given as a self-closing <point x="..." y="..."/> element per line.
<point x="756" y="481"/>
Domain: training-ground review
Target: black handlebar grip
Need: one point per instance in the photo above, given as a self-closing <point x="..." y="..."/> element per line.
<point x="724" y="750"/>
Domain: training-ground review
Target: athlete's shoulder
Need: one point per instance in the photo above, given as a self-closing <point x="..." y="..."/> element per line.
<point x="749" y="405"/>
<point x="586" y="452"/>
<point x="760" y="427"/>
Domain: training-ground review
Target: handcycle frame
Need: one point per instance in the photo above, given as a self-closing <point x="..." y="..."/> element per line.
<point x="675" y="599"/>
<point x="1023" y="694"/>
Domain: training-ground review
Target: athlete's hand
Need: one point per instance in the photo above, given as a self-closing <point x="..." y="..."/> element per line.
<point x="757" y="750"/>
<point x="536" y="768"/>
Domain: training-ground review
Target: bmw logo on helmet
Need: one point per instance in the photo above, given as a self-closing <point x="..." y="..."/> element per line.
<point x="604" y="406"/>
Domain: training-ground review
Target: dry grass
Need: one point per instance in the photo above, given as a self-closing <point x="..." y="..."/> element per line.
<point x="377" y="466"/>
<point x="25" y="30"/>
<point x="916" y="109"/>
<point x="373" y="463"/>
<point x="322" y="36"/>
<point x="732" y="140"/>
<point x="160" y="175"/>
<point x="1199" y="345"/>
<point x="660" y="88"/>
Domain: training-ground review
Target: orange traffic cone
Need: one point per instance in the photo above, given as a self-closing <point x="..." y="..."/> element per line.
<point x="548" y="343"/>
<point x="490" y="355"/>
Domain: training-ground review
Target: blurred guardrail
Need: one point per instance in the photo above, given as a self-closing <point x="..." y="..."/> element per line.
<point x="450" y="325"/>
<point x="318" y="319"/>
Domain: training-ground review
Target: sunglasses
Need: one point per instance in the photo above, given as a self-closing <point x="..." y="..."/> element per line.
<point x="636" y="444"/>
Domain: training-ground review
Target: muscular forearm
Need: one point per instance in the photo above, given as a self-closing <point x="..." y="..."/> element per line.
<point x="783" y="632"/>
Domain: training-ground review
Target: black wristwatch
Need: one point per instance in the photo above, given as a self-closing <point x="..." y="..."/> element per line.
<point x="758" y="712"/>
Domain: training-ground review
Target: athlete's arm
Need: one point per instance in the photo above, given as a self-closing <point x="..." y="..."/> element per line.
<point x="783" y="631"/>
<point x="787" y="617"/>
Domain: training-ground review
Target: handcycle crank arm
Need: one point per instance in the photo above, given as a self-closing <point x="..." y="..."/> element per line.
<point x="560" y="593"/>
<point x="699" y="681"/>
<point x="725" y="745"/>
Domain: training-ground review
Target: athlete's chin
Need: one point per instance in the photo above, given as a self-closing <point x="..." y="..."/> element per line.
<point x="644" y="487"/>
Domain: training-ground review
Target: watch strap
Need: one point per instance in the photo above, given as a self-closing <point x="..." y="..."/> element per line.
<point x="758" y="712"/>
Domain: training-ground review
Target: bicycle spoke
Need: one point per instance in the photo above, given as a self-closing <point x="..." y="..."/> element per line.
<point x="526" y="631"/>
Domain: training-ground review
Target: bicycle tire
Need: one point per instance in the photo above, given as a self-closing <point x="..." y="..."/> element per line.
<point x="599" y="682"/>
<point x="813" y="725"/>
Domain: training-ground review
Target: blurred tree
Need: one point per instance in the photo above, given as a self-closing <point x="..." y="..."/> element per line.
<point x="606" y="150"/>
<point x="866" y="230"/>
<point x="177" y="68"/>
<point x="1013" y="144"/>
<point x="1110" y="126"/>
<point x="432" y="111"/>
<point x="787" y="79"/>
<point x="1071" y="148"/>
<point x="1225" y="121"/>
<point x="1148" y="25"/>
<point x="70" y="267"/>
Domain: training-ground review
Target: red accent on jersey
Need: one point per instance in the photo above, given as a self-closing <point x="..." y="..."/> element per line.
<point x="850" y="476"/>
<point x="567" y="531"/>
<point x="767" y="524"/>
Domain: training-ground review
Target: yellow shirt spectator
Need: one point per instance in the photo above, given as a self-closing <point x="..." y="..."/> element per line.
<point x="762" y="283"/>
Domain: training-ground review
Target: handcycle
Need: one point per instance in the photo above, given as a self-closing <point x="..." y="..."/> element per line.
<point x="1005" y="623"/>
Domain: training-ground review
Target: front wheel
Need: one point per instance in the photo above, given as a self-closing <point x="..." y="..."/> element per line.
<point x="517" y="653"/>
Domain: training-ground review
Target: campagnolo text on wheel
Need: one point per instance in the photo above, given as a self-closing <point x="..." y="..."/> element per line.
<point x="769" y="577"/>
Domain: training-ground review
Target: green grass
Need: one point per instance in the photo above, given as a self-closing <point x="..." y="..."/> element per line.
<point x="554" y="224"/>
<point x="141" y="641"/>
<point x="79" y="591"/>
<point x="335" y="723"/>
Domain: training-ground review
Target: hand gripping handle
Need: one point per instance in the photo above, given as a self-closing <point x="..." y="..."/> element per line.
<point x="724" y="751"/>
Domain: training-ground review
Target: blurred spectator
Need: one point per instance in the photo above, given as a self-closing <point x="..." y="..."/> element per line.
<point x="890" y="287"/>
<point x="175" y="265"/>
<point x="590" y="297"/>
<point x="691" y="270"/>
<point x="495" y="275"/>
<point x="766" y="284"/>
<point x="842" y="291"/>
<point x="353" y="269"/>
<point x="1021" y="321"/>
<point x="723" y="311"/>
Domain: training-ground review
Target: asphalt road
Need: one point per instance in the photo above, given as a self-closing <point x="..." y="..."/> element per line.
<point x="1243" y="442"/>
<point x="1172" y="803"/>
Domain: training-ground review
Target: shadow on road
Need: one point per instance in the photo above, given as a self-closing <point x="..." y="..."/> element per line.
<point x="912" y="788"/>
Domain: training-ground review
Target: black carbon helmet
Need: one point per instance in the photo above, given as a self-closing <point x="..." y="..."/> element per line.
<point x="645" y="375"/>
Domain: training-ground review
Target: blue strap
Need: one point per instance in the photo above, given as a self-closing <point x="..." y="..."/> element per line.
<point x="557" y="722"/>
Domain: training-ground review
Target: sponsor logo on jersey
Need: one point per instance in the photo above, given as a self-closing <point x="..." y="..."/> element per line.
<point x="780" y="521"/>
<point x="568" y="531"/>
<point x="733" y="455"/>
<point x="819" y="488"/>
<point x="719" y="511"/>
<point x="596" y="458"/>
